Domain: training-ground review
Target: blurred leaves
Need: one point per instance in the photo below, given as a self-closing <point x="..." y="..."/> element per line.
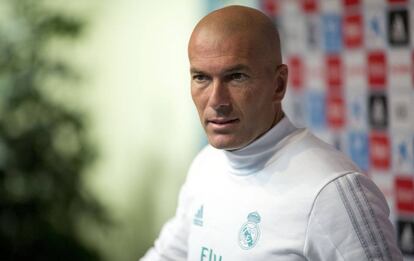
<point x="44" y="148"/>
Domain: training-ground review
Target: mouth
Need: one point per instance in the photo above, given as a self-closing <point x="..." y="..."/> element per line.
<point x="222" y="123"/>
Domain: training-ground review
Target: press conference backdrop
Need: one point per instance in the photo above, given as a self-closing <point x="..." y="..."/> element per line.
<point x="351" y="71"/>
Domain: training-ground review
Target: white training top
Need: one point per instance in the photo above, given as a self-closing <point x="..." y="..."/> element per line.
<point x="288" y="196"/>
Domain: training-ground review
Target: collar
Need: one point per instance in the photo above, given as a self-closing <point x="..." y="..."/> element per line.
<point x="256" y="155"/>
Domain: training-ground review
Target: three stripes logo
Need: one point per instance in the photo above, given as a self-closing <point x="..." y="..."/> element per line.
<point x="198" y="217"/>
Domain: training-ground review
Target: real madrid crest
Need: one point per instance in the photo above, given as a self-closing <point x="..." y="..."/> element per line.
<point x="249" y="233"/>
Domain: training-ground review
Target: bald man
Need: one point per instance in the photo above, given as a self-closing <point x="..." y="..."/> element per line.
<point x="262" y="189"/>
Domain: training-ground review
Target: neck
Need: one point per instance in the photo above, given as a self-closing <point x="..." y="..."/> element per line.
<point x="257" y="155"/>
<point x="278" y="117"/>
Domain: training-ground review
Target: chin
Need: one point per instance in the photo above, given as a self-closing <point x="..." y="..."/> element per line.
<point x="224" y="143"/>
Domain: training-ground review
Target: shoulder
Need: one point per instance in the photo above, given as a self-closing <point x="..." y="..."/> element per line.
<point x="351" y="216"/>
<point x="321" y="155"/>
<point x="312" y="160"/>
<point x="354" y="193"/>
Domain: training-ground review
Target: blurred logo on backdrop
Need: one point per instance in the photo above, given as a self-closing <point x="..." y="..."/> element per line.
<point x="332" y="31"/>
<point x="398" y="32"/>
<point x="403" y="154"/>
<point x="358" y="148"/>
<point x="380" y="153"/>
<point x="378" y="110"/>
<point x="353" y="30"/>
<point x="406" y="236"/>
<point x="315" y="109"/>
<point x="404" y="186"/>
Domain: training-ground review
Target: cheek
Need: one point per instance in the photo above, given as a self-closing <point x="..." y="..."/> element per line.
<point x="199" y="99"/>
<point x="249" y="101"/>
<point x="258" y="106"/>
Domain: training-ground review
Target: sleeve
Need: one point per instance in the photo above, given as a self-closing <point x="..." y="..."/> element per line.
<point x="349" y="221"/>
<point x="171" y="244"/>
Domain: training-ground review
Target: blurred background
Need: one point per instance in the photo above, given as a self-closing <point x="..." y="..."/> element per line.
<point x="97" y="126"/>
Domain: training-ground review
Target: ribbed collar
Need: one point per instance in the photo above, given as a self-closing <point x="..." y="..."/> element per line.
<point x="254" y="156"/>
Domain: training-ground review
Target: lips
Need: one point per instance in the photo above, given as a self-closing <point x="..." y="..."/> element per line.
<point x="222" y="125"/>
<point x="223" y="121"/>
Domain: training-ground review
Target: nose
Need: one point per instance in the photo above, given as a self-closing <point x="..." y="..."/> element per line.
<point x="220" y="98"/>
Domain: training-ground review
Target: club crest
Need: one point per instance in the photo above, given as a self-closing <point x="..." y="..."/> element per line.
<point x="249" y="233"/>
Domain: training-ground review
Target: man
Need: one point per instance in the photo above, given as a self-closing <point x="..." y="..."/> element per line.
<point x="263" y="189"/>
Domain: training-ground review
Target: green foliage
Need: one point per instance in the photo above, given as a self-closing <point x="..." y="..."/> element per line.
<point x="44" y="149"/>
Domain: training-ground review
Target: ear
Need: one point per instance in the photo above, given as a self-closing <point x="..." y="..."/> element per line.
<point x="281" y="82"/>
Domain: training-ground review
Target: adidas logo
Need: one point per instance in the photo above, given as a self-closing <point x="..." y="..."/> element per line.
<point x="198" y="217"/>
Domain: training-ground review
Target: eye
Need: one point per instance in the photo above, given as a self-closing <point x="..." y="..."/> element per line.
<point x="238" y="77"/>
<point x="200" y="78"/>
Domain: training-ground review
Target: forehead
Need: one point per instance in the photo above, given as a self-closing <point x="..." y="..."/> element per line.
<point x="211" y="43"/>
<point x="209" y="50"/>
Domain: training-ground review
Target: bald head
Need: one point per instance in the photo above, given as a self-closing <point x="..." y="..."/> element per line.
<point x="239" y="22"/>
<point x="237" y="79"/>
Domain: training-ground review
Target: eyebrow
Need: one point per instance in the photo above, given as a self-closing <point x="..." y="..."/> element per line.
<point x="196" y="71"/>
<point x="235" y="68"/>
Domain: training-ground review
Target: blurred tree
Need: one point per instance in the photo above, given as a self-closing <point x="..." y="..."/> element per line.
<point x="43" y="146"/>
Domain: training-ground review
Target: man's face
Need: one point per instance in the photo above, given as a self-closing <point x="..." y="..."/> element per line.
<point x="233" y="87"/>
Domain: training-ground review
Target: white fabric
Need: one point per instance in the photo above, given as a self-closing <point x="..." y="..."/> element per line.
<point x="287" y="196"/>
